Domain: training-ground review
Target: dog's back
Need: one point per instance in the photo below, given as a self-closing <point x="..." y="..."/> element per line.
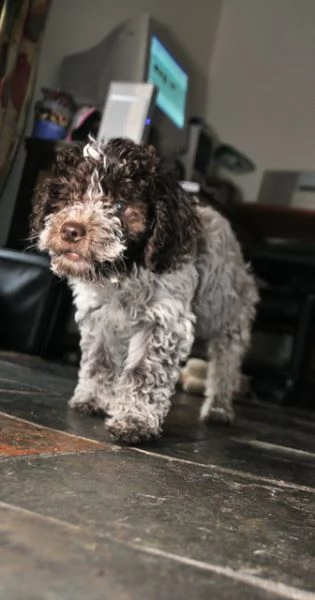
<point x="226" y="286"/>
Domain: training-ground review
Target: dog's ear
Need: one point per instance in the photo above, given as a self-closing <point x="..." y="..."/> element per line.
<point x="48" y="193"/>
<point x="68" y="159"/>
<point x="175" y="225"/>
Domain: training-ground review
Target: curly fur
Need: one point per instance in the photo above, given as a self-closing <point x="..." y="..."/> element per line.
<point x="152" y="271"/>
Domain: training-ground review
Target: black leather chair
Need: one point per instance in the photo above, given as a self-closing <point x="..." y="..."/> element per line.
<point x="34" y="305"/>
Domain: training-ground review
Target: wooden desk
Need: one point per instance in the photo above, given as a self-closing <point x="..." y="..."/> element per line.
<point x="263" y="221"/>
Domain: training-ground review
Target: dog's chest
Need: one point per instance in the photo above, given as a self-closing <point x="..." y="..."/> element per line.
<point x="105" y="307"/>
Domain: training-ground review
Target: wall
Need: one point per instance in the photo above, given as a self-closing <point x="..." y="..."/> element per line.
<point x="263" y="83"/>
<point x="74" y="25"/>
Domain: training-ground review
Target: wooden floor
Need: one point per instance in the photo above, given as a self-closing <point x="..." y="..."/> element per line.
<point x="205" y="512"/>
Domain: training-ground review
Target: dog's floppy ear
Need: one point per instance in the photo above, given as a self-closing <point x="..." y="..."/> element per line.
<point x="43" y="196"/>
<point x="175" y="226"/>
<point x="48" y="192"/>
<point x="68" y="159"/>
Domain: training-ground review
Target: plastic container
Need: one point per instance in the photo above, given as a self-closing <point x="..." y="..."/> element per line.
<point x="48" y="130"/>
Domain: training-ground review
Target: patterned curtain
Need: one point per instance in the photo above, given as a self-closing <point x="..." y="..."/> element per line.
<point x="21" y="27"/>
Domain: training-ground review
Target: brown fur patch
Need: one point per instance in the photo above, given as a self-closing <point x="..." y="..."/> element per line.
<point x="134" y="219"/>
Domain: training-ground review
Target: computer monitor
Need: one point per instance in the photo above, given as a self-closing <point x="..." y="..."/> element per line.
<point x="170" y="80"/>
<point x="138" y="50"/>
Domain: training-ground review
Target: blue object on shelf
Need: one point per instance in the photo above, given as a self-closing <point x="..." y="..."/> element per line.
<point x="48" y="130"/>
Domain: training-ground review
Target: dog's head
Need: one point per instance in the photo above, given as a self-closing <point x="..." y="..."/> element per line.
<point x="110" y="206"/>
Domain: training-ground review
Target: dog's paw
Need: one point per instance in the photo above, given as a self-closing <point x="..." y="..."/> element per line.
<point x="86" y="404"/>
<point x="128" y="428"/>
<point x="220" y="415"/>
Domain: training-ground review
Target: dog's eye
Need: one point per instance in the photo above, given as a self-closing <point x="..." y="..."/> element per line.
<point x="119" y="205"/>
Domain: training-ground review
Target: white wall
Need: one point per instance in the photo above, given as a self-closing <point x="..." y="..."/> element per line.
<point x="74" y="25"/>
<point x="262" y="94"/>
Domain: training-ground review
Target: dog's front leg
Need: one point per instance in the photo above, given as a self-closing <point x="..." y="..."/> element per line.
<point x="151" y="370"/>
<point x="94" y="390"/>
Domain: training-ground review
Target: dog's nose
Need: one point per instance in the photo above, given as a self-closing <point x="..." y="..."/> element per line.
<point x="72" y="232"/>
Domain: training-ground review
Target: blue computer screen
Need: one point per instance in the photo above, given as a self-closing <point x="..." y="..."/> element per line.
<point x="170" y="80"/>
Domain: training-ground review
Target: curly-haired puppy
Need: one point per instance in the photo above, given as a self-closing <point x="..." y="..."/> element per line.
<point x="150" y="271"/>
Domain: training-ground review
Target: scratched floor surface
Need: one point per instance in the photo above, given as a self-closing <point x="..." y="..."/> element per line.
<point x="206" y="512"/>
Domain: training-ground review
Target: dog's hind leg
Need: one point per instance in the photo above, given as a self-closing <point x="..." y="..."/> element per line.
<point x="210" y="389"/>
<point x="223" y="380"/>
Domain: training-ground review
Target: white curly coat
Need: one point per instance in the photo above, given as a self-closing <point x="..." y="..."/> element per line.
<point x="137" y="331"/>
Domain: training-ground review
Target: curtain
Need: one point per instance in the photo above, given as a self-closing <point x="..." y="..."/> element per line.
<point x="22" y="24"/>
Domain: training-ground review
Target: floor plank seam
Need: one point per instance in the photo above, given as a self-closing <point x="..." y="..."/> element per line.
<point x="276" y="588"/>
<point x="227" y="471"/>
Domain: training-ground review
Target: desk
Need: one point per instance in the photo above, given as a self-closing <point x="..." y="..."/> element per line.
<point x="271" y="221"/>
<point x="281" y="246"/>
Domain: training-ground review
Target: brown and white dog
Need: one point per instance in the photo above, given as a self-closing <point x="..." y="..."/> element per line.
<point x="150" y="270"/>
